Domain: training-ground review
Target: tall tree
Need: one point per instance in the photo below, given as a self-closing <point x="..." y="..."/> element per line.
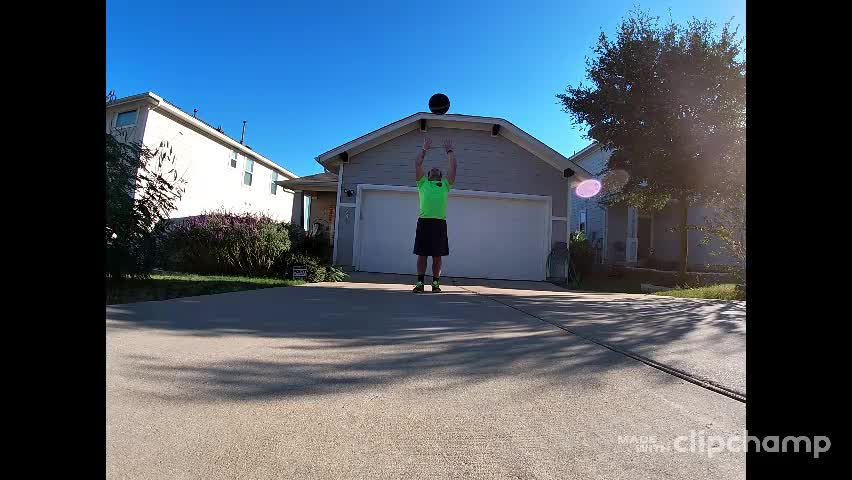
<point x="142" y="189"/>
<point x="669" y="102"/>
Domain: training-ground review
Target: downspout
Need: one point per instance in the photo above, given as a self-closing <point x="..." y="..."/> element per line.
<point x="337" y="213"/>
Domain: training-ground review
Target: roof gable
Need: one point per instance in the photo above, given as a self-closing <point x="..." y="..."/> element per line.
<point x="496" y="125"/>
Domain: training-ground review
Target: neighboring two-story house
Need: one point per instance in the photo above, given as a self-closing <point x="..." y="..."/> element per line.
<point x="628" y="236"/>
<point x="220" y="172"/>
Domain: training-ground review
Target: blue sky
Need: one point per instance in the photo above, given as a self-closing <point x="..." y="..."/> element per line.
<point x="309" y="76"/>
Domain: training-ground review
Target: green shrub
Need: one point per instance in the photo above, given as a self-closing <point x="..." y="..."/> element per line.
<point x="315" y="266"/>
<point x="223" y="243"/>
<point x="315" y="244"/>
<point x="312" y="251"/>
<point x="318" y="269"/>
<point x="309" y="243"/>
<point x="296" y="234"/>
<point x="581" y="253"/>
<point x="335" y="274"/>
<point x="142" y="188"/>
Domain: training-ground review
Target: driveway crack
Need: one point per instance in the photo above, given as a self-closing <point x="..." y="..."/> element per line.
<point x="689" y="377"/>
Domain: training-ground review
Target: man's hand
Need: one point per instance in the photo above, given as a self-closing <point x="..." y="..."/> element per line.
<point x="418" y="164"/>
<point x="448" y="145"/>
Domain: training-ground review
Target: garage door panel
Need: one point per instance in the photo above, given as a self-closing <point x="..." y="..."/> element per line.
<point x="386" y="231"/>
<point x="495" y="238"/>
<point x="490" y="237"/>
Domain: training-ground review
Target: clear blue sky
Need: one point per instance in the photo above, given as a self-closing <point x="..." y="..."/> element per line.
<point x="309" y="76"/>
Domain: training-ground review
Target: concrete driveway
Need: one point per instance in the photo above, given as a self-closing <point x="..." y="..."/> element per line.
<point x="703" y="340"/>
<point x="367" y="380"/>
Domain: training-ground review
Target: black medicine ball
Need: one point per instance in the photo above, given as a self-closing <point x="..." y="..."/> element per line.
<point x="439" y="103"/>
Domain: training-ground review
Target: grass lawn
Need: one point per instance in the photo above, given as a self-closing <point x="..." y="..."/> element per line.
<point x="724" y="291"/>
<point x="602" y="283"/>
<point x="163" y="287"/>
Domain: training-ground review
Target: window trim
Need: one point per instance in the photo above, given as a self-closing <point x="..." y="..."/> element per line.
<point x="245" y="171"/>
<point x="235" y="158"/>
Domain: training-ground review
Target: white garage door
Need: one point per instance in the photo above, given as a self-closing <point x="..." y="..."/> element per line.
<point x="491" y="235"/>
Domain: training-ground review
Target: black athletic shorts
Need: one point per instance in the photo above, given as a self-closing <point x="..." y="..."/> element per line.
<point x="431" y="239"/>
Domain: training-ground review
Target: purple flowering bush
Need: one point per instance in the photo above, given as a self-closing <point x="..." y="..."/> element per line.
<point x="224" y="243"/>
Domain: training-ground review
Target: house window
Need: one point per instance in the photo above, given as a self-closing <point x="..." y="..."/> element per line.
<point x="248" y="173"/>
<point x="274" y="186"/>
<point x="583" y="221"/>
<point x="233" y="159"/>
<point x="126" y="119"/>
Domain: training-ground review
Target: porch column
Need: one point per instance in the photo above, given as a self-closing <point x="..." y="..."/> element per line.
<point x="632" y="243"/>
<point x="561" y="270"/>
<point x="298" y="208"/>
<point x="568" y="214"/>
<point x="605" y="240"/>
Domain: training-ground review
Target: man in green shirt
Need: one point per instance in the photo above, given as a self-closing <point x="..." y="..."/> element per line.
<point x="431" y="237"/>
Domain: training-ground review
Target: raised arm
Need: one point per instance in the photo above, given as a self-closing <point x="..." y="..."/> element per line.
<point x="451" y="156"/>
<point x="418" y="164"/>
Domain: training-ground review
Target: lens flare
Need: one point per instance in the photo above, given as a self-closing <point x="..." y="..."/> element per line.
<point x="588" y="188"/>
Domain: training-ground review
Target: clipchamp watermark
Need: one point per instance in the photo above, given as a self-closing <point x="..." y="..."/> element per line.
<point x="700" y="442"/>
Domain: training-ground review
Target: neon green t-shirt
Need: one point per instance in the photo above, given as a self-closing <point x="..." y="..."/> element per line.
<point x="433" y="198"/>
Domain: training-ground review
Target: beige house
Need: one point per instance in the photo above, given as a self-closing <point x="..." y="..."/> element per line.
<point x="508" y="209"/>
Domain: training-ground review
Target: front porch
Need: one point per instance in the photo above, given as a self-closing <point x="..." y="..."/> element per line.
<point x="629" y="237"/>
<point x="635" y="238"/>
<point x="314" y="203"/>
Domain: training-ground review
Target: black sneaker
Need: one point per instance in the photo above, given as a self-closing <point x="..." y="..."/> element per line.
<point x="436" y="287"/>
<point x="419" y="288"/>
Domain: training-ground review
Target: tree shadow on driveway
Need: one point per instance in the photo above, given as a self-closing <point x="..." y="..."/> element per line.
<point x="706" y="339"/>
<point x="328" y="339"/>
